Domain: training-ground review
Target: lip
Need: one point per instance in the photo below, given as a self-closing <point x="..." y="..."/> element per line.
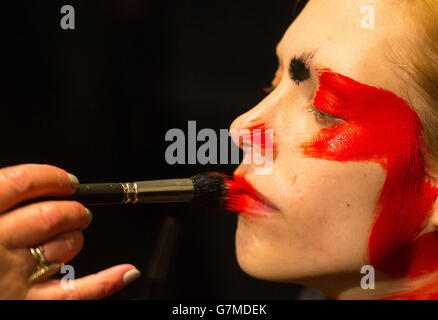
<point x="250" y="200"/>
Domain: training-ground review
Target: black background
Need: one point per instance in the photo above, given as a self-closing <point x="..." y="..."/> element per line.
<point x="98" y="100"/>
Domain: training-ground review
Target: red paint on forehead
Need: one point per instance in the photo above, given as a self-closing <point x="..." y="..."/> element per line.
<point x="381" y="127"/>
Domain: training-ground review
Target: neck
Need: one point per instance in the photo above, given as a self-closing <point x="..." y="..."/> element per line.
<point x="348" y="287"/>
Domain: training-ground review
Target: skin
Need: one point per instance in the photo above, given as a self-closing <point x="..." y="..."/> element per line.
<point x="57" y="226"/>
<point x="326" y="208"/>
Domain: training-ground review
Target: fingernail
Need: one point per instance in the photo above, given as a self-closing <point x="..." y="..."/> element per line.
<point x="131" y="276"/>
<point x="89" y="216"/>
<point x="73" y="180"/>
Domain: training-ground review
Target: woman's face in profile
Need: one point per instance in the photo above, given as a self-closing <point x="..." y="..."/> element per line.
<point x="342" y="135"/>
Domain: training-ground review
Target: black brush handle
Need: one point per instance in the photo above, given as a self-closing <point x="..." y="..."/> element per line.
<point x="152" y="191"/>
<point x="98" y="193"/>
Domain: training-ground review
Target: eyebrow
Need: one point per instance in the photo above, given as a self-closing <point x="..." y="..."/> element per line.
<point x="299" y="69"/>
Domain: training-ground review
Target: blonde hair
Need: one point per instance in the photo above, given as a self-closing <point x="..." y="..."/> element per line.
<point x="418" y="58"/>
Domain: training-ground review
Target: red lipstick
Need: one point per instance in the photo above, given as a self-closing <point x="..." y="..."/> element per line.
<point x="242" y="197"/>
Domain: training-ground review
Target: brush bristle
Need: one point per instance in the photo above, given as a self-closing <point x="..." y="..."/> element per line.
<point x="210" y="188"/>
<point x="232" y="199"/>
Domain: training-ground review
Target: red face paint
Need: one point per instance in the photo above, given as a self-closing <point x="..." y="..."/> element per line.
<point x="381" y="127"/>
<point x="259" y="136"/>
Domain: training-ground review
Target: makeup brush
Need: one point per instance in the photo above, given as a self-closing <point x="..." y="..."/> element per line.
<point x="207" y="188"/>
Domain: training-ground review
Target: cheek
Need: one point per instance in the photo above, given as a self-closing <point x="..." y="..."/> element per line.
<point x="327" y="209"/>
<point x="380" y="127"/>
<point x="331" y="206"/>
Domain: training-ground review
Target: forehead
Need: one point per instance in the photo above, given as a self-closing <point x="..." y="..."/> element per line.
<point x="334" y="31"/>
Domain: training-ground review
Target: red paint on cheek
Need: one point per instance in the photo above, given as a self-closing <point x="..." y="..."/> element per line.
<point x="381" y="127"/>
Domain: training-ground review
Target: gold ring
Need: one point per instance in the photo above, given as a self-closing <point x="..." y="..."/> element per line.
<point x="43" y="270"/>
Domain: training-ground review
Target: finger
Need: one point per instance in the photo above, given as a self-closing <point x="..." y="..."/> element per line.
<point x="27" y="181"/>
<point x="92" y="287"/>
<point x="64" y="247"/>
<point x="36" y="223"/>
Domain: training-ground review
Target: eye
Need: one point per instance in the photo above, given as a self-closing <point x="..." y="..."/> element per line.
<point x="323" y="118"/>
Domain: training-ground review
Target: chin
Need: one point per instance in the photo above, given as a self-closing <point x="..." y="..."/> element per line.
<point x="293" y="275"/>
<point x="250" y="256"/>
<point x="257" y="261"/>
<point x="255" y="269"/>
<point x="265" y="261"/>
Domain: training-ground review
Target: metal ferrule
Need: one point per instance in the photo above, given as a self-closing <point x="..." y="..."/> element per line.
<point x="170" y="190"/>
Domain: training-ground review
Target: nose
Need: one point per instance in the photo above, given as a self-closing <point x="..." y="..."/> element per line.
<point x="254" y="133"/>
<point x="253" y="122"/>
<point x="258" y="114"/>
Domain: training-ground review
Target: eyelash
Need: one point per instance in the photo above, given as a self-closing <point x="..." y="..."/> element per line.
<point x="322" y="117"/>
